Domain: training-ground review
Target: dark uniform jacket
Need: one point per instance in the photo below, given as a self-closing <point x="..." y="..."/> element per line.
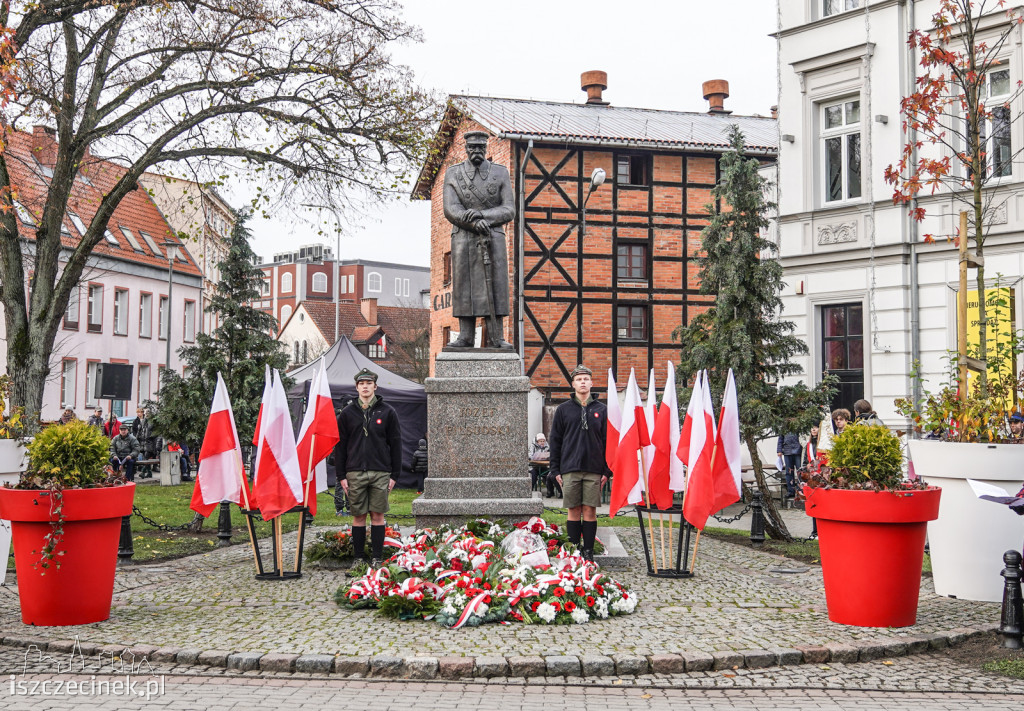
<point x="788" y="444"/>
<point x="578" y="436"/>
<point x="371" y="439"/>
<point x="125" y="445"/>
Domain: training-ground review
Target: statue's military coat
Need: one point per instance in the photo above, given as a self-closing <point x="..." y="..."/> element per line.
<point x="488" y="190"/>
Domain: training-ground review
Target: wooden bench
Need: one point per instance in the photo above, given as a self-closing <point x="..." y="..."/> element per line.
<point x="145" y="468"/>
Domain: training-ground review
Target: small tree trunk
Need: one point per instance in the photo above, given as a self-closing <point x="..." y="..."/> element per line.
<point x="28" y="366"/>
<point x="197" y="524"/>
<point x="774" y="526"/>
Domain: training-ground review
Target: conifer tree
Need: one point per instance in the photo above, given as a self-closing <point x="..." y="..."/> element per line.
<point x="238" y="348"/>
<point x="741" y="330"/>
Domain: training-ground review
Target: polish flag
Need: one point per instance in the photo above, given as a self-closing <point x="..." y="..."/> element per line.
<point x="278" y="475"/>
<point x="725" y="467"/>
<point x="220" y="476"/>
<point x="693" y="409"/>
<point x="626" y="484"/>
<point x="266" y="395"/>
<point x="317" y="436"/>
<point x="614" y="422"/>
<point x="667" y="473"/>
<point x="709" y="409"/>
<point x="650" y="415"/>
<point x="700" y="493"/>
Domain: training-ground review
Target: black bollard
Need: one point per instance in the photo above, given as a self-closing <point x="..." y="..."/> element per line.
<point x="756" y="519"/>
<point x="309" y="518"/>
<point x="126" y="547"/>
<point x="1010" y="620"/>
<point x="224" y="524"/>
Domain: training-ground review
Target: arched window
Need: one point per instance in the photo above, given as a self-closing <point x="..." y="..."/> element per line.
<point x="305" y="351"/>
<point x="373" y="282"/>
<point x="286" y="312"/>
<point x="320" y="283"/>
<point x="286" y="282"/>
<point x="295" y="354"/>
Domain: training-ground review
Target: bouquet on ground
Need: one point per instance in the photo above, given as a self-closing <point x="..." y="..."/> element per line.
<point x="485" y="572"/>
<point x="336" y="546"/>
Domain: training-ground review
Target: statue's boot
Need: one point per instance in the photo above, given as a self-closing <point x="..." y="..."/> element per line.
<point x="501" y="342"/>
<point x="467" y="334"/>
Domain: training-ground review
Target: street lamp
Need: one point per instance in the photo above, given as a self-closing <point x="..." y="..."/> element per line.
<point x="171" y="248"/>
<point x="596" y="181"/>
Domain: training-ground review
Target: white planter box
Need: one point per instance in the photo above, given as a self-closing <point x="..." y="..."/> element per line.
<point x="968" y="539"/>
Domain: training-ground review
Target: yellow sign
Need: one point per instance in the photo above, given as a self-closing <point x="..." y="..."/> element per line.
<point x="1000" y="313"/>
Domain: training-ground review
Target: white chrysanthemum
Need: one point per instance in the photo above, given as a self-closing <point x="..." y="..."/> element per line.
<point x="481" y="609"/>
<point x="494" y="530"/>
<point x="580" y="616"/>
<point x="447" y="609"/>
<point x="601" y="609"/>
<point x="546" y="611"/>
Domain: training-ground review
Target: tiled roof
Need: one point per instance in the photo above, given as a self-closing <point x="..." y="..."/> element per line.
<point x="596" y="125"/>
<point x="397" y="323"/>
<point x="29" y="178"/>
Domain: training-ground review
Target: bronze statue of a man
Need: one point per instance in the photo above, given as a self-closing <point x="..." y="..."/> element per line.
<point x="478" y="201"/>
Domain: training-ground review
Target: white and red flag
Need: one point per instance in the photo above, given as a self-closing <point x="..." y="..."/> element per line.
<point x="700" y="493"/>
<point x="220" y="476"/>
<point x="650" y="415"/>
<point x="317" y="437"/>
<point x="693" y="409"/>
<point x="725" y="469"/>
<point x="278" y="475"/>
<point x="614" y="422"/>
<point x="709" y="409"/>
<point x="267" y="380"/>
<point x="626" y="484"/>
<point x="667" y="473"/>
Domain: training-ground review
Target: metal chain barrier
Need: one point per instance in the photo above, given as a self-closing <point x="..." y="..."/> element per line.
<point x="160" y="526"/>
<point x="732" y="519"/>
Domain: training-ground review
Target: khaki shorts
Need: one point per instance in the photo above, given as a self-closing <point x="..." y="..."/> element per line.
<point x="581" y="489"/>
<point x="368" y="492"/>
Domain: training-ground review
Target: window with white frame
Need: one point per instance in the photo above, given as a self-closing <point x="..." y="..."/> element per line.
<point x="351" y="283"/>
<point x="834" y="7"/>
<point x="162" y="320"/>
<point x="286" y="312"/>
<point x="143" y="389"/>
<point x="405" y="287"/>
<point x="295" y="352"/>
<point x="74" y="308"/>
<point x="190" y="321"/>
<point x="146" y="316"/>
<point x="840" y="147"/>
<point x="265" y="287"/>
<point x="378" y="350"/>
<point x="286" y="282"/>
<point x="120" y="312"/>
<point x="373" y="282"/>
<point x="320" y="283"/>
<point x="68" y="373"/>
<point x="131" y="238"/>
<point x="91" y="369"/>
<point x="398" y="286"/>
<point x="95" y="323"/>
<point x="994" y="136"/>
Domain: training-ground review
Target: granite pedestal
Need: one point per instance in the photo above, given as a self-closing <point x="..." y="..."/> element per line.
<point x="479" y="440"/>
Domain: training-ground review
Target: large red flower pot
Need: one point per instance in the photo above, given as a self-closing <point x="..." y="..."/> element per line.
<point x="80" y="590"/>
<point x="872" y="547"/>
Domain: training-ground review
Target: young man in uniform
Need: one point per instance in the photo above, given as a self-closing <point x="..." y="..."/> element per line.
<point x="368" y="459"/>
<point x="578" y="433"/>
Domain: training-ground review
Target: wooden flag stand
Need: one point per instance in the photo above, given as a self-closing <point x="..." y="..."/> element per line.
<point x="680" y="566"/>
<point x="276" y="571"/>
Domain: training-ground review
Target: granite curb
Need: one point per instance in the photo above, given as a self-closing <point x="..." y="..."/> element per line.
<point x="591" y="665"/>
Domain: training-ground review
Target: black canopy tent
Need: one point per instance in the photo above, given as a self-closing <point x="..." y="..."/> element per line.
<point x="342" y="362"/>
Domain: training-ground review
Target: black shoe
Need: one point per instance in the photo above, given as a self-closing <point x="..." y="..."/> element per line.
<point x="588" y="556"/>
<point x="375" y="563"/>
<point x="461" y="342"/>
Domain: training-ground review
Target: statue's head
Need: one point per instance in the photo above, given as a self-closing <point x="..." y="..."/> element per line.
<point x="476" y="146"/>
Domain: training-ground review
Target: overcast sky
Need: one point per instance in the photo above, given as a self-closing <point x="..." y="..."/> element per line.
<point x="656" y="53"/>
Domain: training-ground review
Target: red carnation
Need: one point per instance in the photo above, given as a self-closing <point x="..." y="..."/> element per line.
<point x="570" y="605"/>
<point x="557" y="605"/>
<point x="580" y="591"/>
<point x="558" y="592"/>
<point x="534" y="605"/>
<point x="487" y="586"/>
<point x="591" y="601"/>
<point x="487" y="599"/>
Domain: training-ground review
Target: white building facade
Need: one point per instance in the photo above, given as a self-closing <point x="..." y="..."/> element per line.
<point x="865" y="288"/>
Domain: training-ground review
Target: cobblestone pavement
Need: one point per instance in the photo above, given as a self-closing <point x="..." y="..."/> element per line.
<point x="741" y="599"/>
<point x="928" y="681"/>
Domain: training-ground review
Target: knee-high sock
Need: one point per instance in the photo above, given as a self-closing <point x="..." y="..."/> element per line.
<point x="359" y="542"/>
<point x="589" y="534"/>
<point x="573" y="529"/>
<point x="377" y="541"/>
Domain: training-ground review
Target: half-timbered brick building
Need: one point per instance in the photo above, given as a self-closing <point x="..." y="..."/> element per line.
<point x="606" y="286"/>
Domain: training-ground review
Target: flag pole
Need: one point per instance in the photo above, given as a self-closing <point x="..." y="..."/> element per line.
<point x="305" y="503"/>
<point x="280" y="551"/>
<point x="245" y="500"/>
<point x="650" y="518"/>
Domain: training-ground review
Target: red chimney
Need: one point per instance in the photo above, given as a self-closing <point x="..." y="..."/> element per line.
<point x="716" y="91"/>
<point x="594" y="82"/>
<point x="369" y="309"/>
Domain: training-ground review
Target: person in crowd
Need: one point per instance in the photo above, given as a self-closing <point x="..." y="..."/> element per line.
<point x="810" y="450"/>
<point x="124" y="453"/>
<point x="182" y="452"/>
<point x="111" y="426"/>
<point x="96" y="419"/>
<point x="1017" y="428"/>
<point x="419" y="465"/>
<point x="369" y="454"/>
<point x="539" y="452"/>
<point x="840" y="418"/>
<point x="67" y="416"/>
<point x="142" y="428"/>
<point x="862" y="412"/>
<point x="789" y="449"/>
<point x="578" y="432"/>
